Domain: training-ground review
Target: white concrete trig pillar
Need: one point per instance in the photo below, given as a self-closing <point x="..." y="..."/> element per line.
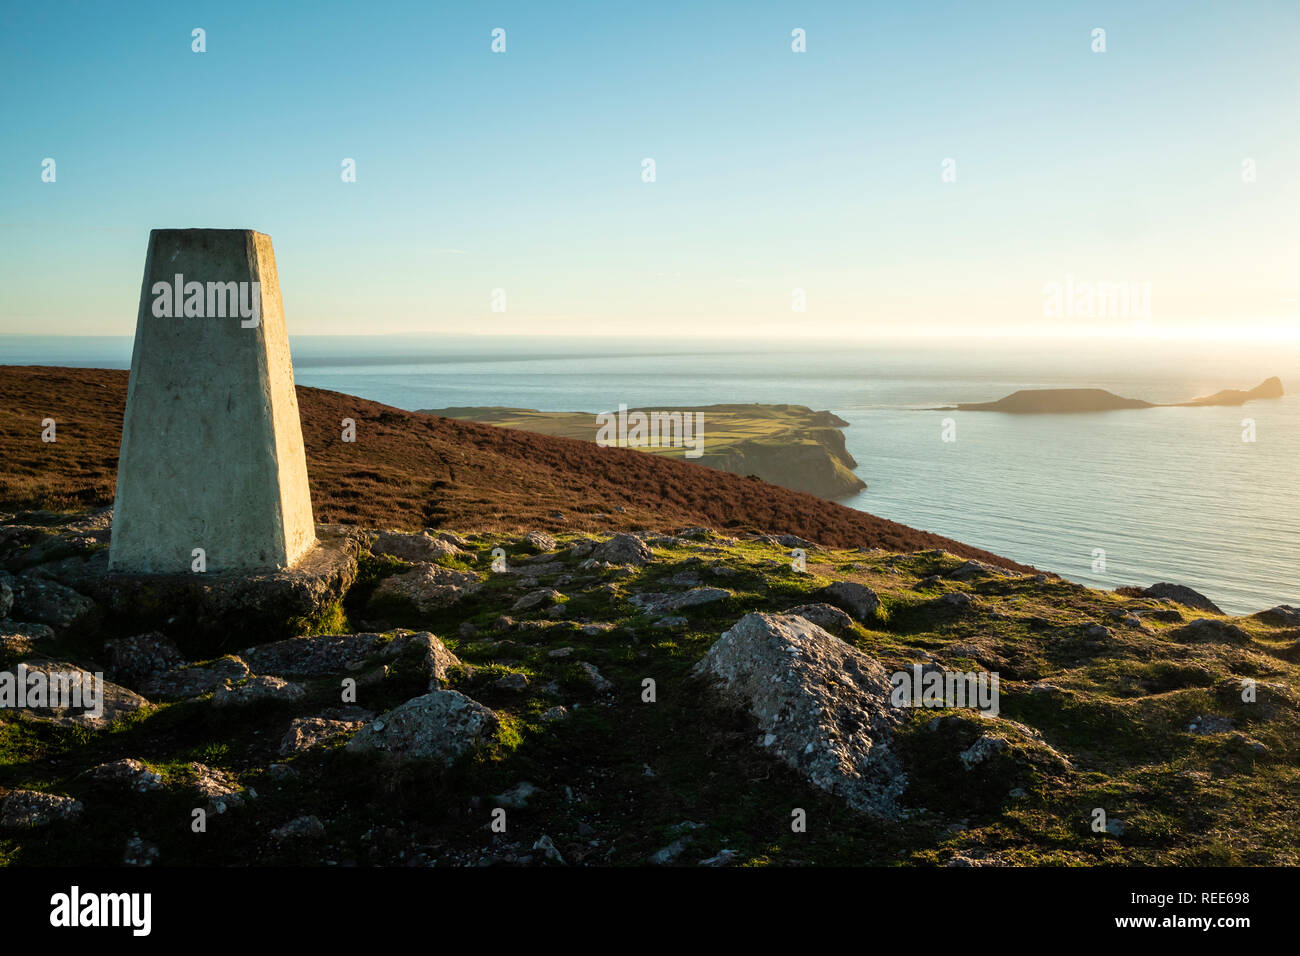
<point x="212" y="455"/>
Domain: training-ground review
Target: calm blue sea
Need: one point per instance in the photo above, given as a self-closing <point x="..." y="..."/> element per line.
<point x="1166" y="494"/>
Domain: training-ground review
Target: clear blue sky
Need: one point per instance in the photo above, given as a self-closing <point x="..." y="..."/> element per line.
<point x="775" y="170"/>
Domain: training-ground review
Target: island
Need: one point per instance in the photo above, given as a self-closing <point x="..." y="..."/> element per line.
<point x="1050" y="401"/>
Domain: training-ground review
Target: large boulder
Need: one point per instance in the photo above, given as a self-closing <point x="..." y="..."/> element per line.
<point x="826" y="616"/>
<point x="48" y="602"/>
<point x="1183" y="595"/>
<point x="196" y="679"/>
<point x="32" y="808"/>
<point x="414" y="547"/>
<point x="83" y="699"/>
<point x="623" y="549"/>
<point x="858" y="599"/>
<point x="822" y="706"/>
<point x="440" y="726"/>
<point x="426" y="588"/>
<point x="325" y="655"/>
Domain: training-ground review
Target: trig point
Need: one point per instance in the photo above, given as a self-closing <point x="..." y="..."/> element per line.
<point x="212" y="454"/>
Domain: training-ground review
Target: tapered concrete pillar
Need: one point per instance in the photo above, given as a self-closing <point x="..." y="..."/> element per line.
<point x="212" y="455"/>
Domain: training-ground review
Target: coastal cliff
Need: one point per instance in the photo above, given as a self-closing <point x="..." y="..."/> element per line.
<point x="788" y="445"/>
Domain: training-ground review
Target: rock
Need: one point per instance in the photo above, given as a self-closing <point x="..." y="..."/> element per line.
<point x="6" y="594"/>
<point x="514" y="682"/>
<point x="554" y="714"/>
<point x="537" y="541"/>
<point x="668" y="854"/>
<point x="544" y="596"/>
<point x="858" y="599"/>
<point x="217" y="788"/>
<point x="196" y="679"/>
<point x="724" y="858"/>
<point x="593" y="675"/>
<point x="126" y="774"/>
<point x="986" y="746"/>
<point x="517" y="797"/>
<point x="300" y="828"/>
<point x="330" y="654"/>
<point x="972" y="569"/>
<point x="306" y="732"/>
<point x="1116" y="827"/>
<point x="255" y="689"/>
<point x="76" y="690"/>
<point x="1284" y="615"/>
<point x="427" y="588"/>
<point x="139" y="852"/>
<point x="414" y="547"/>
<point x="957" y="599"/>
<point x="1097" y="632"/>
<point x="667" y="622"/>
<point x="623" y="549"/>
<point x="32" y="808"/>
<point x="547" y="846"/>
<point x="822" y="706"/>
<point x="48" y="602"/>
<point x="440" y="726"/>
<point x="560" y="652"/>
<point x="654" y="603"/>
<point x="826" y="616"/>
<point x="138" y="658"/>
<point x="1206" y="724"/>
<point x="1181" y="595"/>
<point x="1209" y="629"/>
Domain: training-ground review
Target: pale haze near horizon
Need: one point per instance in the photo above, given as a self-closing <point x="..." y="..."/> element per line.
<point x="775" y="170"/>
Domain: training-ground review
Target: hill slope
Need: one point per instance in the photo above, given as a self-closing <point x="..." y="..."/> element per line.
<point x="407" y="471"/>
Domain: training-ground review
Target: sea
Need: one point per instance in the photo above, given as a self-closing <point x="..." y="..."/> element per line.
<point x="1204" y="497"/>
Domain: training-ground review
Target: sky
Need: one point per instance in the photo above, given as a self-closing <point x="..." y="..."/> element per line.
<point x="775" y="171"/>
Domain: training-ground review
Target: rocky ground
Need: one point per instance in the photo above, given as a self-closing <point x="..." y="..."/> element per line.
<point x="686" y="698"/>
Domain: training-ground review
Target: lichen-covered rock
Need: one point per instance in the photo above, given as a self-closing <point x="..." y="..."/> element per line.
<point x="538" y="541"/>
<point x="414" y="547"/>
<point x="137" y="658"/>
<point x="87" y="700"/>
<point x="48" y="602"/>
<point x="655" y="603"/>
<point x="1284" y="615"/>
<point x="32" y="808"/>
<point x="440" y="726"/>
<point x="858" y="599"/>
<point x="426" y="588"/>
<point x="324" y="655"/>
<point x="623" y="549"/>
<point x="196" y="679"/>
<point x="822" y="706"/>
<point x="306" y="732"/>
<point x="826" y="616"/>
<point x="215" y="786"/>
<point x="255" y="689"/>
<point x="539" y="598"/>
<point x="125" y="774"/>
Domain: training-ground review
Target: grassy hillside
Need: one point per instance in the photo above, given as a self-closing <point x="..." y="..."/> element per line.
<point x="410" y="471"/>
